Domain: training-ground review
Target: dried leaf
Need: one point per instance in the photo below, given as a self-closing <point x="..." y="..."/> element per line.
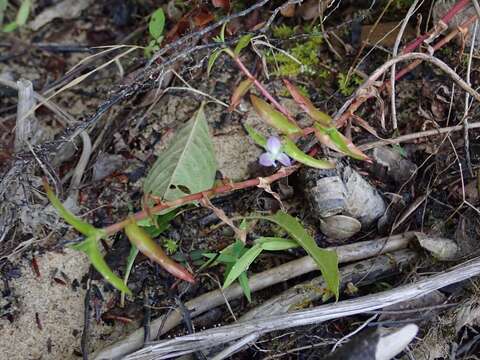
<point x="307" y="106"/>
<point x="239" y="93"/>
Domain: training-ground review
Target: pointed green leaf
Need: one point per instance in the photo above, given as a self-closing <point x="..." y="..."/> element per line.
<point x="132" y="255"/>
<point x="188" y="165"/>
<point x="276" y="243"/>
<point x="307" y="105"/>
<point x="90" y="247"/>
<point x="258" y="138"/>
<point x="242" y="264"/>
<point x="212" y="59"/>
<point x="79" y="225"/>
<point x="23" y="12"/>
<point x="335" y="140"/>
<point x="242" y="43"/>
<point x="326" y="260"/>
<point x="273" y="117"/>
<point x="291" y="149"/>
<point x="157" y="23"/>
<point x="243" y="281"/>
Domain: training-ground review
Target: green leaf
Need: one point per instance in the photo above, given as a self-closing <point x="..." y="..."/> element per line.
<point x="273" y="117"/>
<point x="243" y="281"/>
<point x="335" y="140"/>
<point x="242" y="264"/>
<point x="276" y="243"/>
<point x="291" y="149"/>
<point x="159" y="225"/>
<point x="242" y="43"/>
<point x="326" y="260"/>
<point x="258" y="138"/>
<point x="10" y="27"/>
<point x="23" y="12"/>
<point x="90" y="247"/>
<point x="157" y="24"/>
<point x="79" y="225"/>
<point x="188" y="165"/>
<point x="130" y="261"/>
<point x="212" y="59"/>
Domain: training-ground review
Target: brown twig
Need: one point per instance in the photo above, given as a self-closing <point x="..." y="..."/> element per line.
<point x="283" y="172"/>
<point x="263" y="90"/>
<point x="418" y="135"/>
<point x="368" y="89"/>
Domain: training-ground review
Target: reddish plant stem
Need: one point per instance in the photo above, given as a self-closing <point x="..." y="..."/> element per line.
<point x="459" y="6"/>
<point x="361" y="98"/>
<point x="264" y="91"/>
<point x="283" y="172"/>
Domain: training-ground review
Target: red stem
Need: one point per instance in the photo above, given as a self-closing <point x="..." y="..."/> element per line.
<point x="283" y="172"/>
<point x="459" y="6"/>
<point x="264" y="91"/>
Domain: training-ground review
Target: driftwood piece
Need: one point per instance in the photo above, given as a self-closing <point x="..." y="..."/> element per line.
<point x="290" y="270"/>
<point x="213" y="337"/>
<point x="360" y="274"/>
<point x="26" y="125"/>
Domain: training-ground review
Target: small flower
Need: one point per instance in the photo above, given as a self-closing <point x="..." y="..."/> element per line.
<point x="273" y="153"/>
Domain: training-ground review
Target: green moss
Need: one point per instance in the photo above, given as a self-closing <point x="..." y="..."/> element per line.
<point x="347" y="85"/>
<point x="306" y="51"/>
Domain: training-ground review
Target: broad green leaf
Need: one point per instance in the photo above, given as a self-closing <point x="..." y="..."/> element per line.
<point x="291" y="149"/>
<point x="188" y="165"/>
<point x="307" y="105"/>
<point x="242" y="43"/>
<point x="276" y="243"/>
<point x="212" y="59"/>
<point x="23" y="12"/>
<point x="243" y="281"/>
<point x="326" y="260"/>
<point x="79" y="225"/>
<point x="156" y="24"/>
<point x="273" y="117"/>
<point x="239" y="93"/>
<point x="335" y="140"/>
<point x="242" y="264"/>
<point x="90" y="247"/>
<point x="258" y="138"/>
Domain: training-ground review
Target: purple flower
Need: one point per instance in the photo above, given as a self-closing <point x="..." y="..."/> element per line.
<point x="273" y="153"/>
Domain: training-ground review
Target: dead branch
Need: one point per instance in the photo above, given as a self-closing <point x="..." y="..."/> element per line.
<point x="213" y="337"/>
<point x="290" y="270"/>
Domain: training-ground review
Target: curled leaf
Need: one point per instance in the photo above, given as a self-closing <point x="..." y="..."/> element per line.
<point x="154" y="252"/>
<point x="307" y="105"/>
<point x="239" y="93"/>
<point x="291" y="149"/>
<point x="326" y="260"/>
<point x="79" y="225"/>
<point x="335" y="140"/>
<point x="90" y="247"/>
<point x="273" y="117"/>
<point x="212" y="59"/>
